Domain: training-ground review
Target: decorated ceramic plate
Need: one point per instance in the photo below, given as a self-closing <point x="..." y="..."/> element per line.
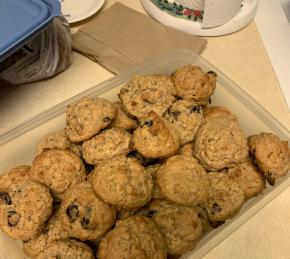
<point x="78" y="10"/>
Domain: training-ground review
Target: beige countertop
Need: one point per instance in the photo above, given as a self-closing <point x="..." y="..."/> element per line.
<point x="242" y="57"/>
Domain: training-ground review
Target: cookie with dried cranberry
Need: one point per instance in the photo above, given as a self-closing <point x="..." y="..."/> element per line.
<point x="57" y="140"/>
<point x="183" y="180"/>
<point x="123" y="120"/>
<point x="225" y="198"/>
<point x="122" y="182"/>
<point x="88" y="117"/>
<point x="219" y="144"/>
<point x="84" y="215"/>
<point x="155" y="137"/>
<point x="271" y="154"/>
<point x="24" y="209"/>
<point x="107" y="144"/>
<point x="134" y="237"/>
<point x="15" y="175"/>
<point x="58" y="169"/>
<point x="180" y="225"/>
<point x="193" y="84"/>
<point x="144" y="94"/>
<point x="249" y="178"/>
<point x="66" y="249"/>
<point x="52" y="231"/>
<point x="186" y="116"/>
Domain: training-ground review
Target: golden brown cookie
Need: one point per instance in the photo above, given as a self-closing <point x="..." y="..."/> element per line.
<point x="193" y="84"/>
<point x="144" y="94"/>
<point x="271" y="154"/>
<point x="180" y="225"/>
<point x="66" y="249"/>
<point x="122" y="182"/>
<point x="249" y="178"/>
<point x="88" y="117"/>
<point x="24" y="208"/>
<point x="155" y="137"/>
<point x="15" y="175"/>
<point x="218" y="111"/>
<point x="123" y="119"/>
<point x="57" y="140"/>
<point x="220" y="144"/>
<point x="183" y="180"/>
<point x="186" y="116"/>
<point x="186" y="149"/>
<point x="225" y="197"/>
<point x="58" y="169"/>
<point x="84" y="215"/>
<point x="134" y="237"/>
<point x="107" y="144"/>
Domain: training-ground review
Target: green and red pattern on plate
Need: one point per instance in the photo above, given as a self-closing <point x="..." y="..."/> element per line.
<point x="179" y="10"/>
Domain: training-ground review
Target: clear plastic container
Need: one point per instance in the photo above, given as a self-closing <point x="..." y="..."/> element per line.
<point x="18" y="146"/>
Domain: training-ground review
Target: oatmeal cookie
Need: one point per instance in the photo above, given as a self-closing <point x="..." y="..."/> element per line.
<point x="34" y="246"/>
<point x="126" y="213"/>
<point x="193" y="84"/>
<point x="122" y="182"/>
<point x="58" y="169"/>
<point x="218" y="111"/>
<point x="58" y="140"/>
<point x="84" y="215"/>
<point x="220" y="144"/>
<point x="123" y="120"/>
<point x="225" y="197"/>
<point x="134" y="237"/>
<point x="24" y="208"/>
<point x="144" y="94"/>
<point x="14" y="175"/>
<point x="66" y="249"/>
<point x="186" y="116"/>
<point x="155" y="137"/>
<point x="153" y="170"/>
<point x="272" y="155"/>
<point x="180" y="225"/>
<point x="183" y="180"/>
<point x="108" y="143"/>
<point x="249" y="178"/>
<point x="88" y="117"/>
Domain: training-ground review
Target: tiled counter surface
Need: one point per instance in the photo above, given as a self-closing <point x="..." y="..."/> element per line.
<point x="242" y="57"/>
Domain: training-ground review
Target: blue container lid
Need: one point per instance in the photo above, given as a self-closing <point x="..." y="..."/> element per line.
<point x="21" y="20"/>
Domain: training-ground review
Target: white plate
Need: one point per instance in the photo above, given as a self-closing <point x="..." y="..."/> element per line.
<point x="243" y="18"/>
<point x="78" y="10"/>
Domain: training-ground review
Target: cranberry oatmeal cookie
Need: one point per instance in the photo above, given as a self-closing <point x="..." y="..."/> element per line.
<point x="249" y="178"/>
<point x="155" y="137"/>
<point x="180" y="225"/>
<point x="220" y="144"/>
<point x="15" y="175"/>
<point x="193" y="84"/>
<point x="24" y="209"/>
<point x="122" y="182"/>
<point x="225" y="197"/>
<point x="84" y="215"/>
<point x="88" y="117"/>
<point x="186" y="116"/>
<point x="134" y="237"/>
<point x="57" y="140"/>
<point x="108" y="143"/>
<point x="271" y="154"/>
<point x="123" y="120"/>
<point x="58" y="169"/>
<point x="183" y="180"/>
<point x="144" y="94"/>
<point x="66" y="249"/>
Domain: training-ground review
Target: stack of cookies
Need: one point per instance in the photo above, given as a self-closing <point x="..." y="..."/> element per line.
<point x="145" y="177"/>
